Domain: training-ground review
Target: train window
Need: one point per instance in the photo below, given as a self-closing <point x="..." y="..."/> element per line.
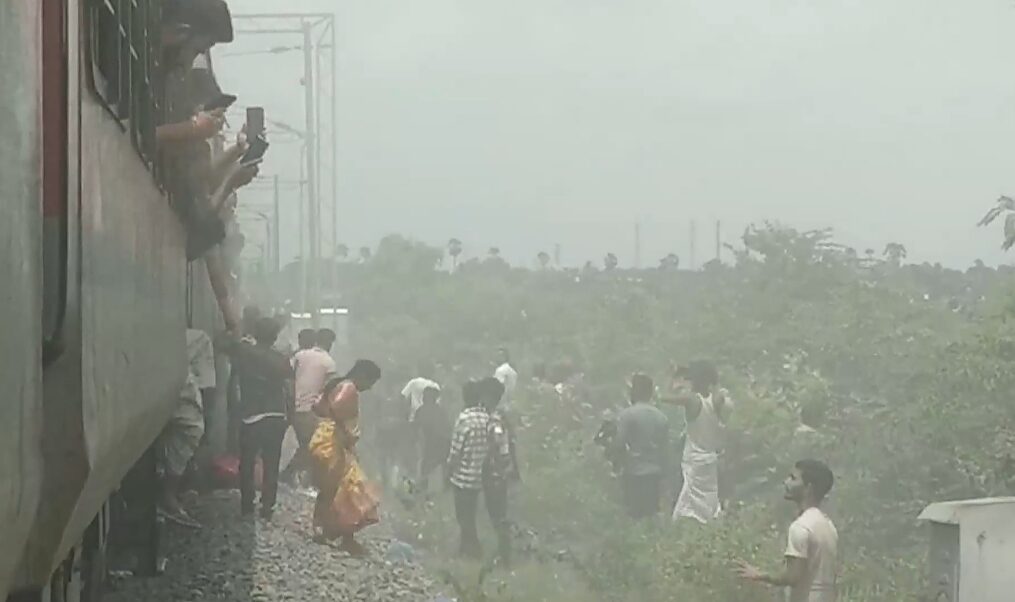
<point x="107" y="41"/>
<point x="125" y="37"/>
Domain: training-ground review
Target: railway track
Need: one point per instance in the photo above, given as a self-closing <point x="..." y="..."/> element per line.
<point x="243" y="560"/>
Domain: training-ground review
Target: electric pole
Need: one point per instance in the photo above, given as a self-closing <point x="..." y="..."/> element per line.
<point x="718" y="240"/>
<point x="275" y="250"/>
<point x="637" y="245"/>
<point x="694" y="236"/>
<point x="302" y="255"/>
<point x="310" y="137"/>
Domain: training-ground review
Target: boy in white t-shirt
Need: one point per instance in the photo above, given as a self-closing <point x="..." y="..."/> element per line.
<point x="812" y="550"/>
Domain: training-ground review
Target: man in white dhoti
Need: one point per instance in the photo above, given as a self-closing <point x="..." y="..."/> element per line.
<point x="706" y="408"/>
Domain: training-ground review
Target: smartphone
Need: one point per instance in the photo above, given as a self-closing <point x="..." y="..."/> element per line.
<point x="255" y="122"/>
<point x="255" y="152"/>
<point x="222" y="101"/>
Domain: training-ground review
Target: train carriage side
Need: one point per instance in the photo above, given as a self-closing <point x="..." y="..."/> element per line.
<point x="115" y="285"/>
<point x="21" y="289"/>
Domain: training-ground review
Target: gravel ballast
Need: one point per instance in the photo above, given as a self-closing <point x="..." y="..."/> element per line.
<point x="251" y="559"/>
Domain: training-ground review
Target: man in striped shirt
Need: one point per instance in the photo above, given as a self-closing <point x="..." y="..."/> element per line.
<point x="469" y="445"/>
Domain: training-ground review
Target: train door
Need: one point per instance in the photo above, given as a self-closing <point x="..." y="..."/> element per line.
<point x="80" y="575"/>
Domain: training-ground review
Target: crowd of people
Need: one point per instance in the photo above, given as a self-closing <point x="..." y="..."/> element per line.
<point x="474" y="454"/>
<point x="639" y="445"/>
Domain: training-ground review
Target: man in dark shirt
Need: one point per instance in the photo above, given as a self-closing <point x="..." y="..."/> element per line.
<point x="433" y="426"/>
<point x="641" y="448"/>
<point x="499" y="468"/>
<point x="264" y="409"/>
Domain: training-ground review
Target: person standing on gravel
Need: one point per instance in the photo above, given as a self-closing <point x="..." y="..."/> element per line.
<point x="182" y="435"/>
<point x="469" y="445"/>
<point x="346" y="502"/>
<point x="314" y="367"/>
<point x="262" y="373"/>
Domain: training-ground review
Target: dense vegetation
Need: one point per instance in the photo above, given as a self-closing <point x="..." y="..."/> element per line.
<point x="909" y="366"/>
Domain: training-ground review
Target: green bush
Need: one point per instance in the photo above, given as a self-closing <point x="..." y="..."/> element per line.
<point x="914" y="394"/>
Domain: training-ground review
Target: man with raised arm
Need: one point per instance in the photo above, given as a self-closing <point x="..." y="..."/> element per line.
<point x="706" y="408"/>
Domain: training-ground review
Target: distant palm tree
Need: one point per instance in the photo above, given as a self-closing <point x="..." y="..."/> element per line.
<point x="455" y="251"/>
<point x="494" y="252"/>
<point x="1004" y="205"/>
<point x="610" y="262"/>
<point x="544" y="259"/>
<point x="342" y="252"/>
<point x="365" y="254"/>
<point x="670" y="262"/>
<point x="895" y="253"/>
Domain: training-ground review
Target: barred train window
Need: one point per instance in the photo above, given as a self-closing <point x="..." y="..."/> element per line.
<point x="125" y="41"/>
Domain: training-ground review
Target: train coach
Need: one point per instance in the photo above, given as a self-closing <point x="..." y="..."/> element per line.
<point x="95" y="288"/>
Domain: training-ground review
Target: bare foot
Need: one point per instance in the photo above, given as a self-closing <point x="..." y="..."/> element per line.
<point x="353" y="547"/>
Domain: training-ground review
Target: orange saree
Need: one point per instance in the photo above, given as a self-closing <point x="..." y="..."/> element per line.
<point x="346" y="501"/>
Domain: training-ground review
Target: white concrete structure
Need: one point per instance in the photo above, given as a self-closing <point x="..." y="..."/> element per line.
<point x="972" y="555"/>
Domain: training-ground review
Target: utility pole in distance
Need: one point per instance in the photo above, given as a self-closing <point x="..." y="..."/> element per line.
<point x="314" y="288"/>
<point x="307" y="26"/>
<point x="637" y="245"/>
<point x="718" y="240"/>
<point x="694" y="236"/>
<point x="276" y="250"/>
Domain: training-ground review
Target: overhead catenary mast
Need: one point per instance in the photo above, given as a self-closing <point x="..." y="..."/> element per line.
<point x="313" y="287"/>
<point x="694" y="236"/>
<point x="637" y="245"/>
<point x="307" y="26"/>
<point x="718" y="240"/>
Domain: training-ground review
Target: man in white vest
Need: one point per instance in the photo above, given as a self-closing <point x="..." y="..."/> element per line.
<point x="706" y="410"/>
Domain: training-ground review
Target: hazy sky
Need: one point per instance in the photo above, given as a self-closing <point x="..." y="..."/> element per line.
<point x="526" y="123"/>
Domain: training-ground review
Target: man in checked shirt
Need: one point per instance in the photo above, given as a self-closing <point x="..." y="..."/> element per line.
<point x="469" y="446"/>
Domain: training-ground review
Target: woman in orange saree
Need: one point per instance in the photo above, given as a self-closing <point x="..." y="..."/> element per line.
<point x="346" y="501"/>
